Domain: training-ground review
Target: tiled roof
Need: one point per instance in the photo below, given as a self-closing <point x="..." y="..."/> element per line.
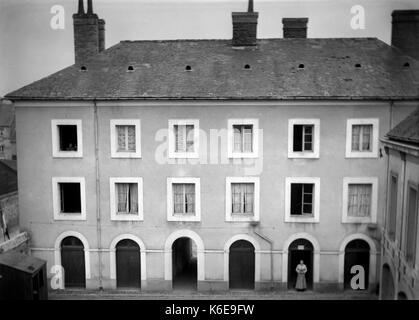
<point x="330" y="72"/>
<point x="407" y="130"/>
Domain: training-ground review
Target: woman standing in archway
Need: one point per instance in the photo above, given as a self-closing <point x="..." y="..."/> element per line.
<point x="301" y="270"/>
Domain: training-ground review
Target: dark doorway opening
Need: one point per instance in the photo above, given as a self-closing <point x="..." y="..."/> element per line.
<point x="387" y="285"/>
<point x="357" y="252"/>
<point x="242" y="265"/>
<point x="128" y="264"/>
<point x="72" y="260"/>
<point x="184" y="264"/>
<point x="300" y="249"/>
<point x="402" y="296"/>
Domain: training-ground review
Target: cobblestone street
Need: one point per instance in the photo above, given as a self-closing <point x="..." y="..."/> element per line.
<point x="188" y="295"/>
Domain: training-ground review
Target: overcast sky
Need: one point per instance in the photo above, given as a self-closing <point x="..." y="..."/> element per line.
<point x="30" y="49"/>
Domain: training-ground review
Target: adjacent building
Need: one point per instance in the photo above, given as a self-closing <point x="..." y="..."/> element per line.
<point x="213" y="164"/>
<point x="7" y="131"/>
<point x="400" y="245"/>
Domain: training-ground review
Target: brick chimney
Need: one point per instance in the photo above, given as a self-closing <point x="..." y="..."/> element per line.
<point x="405" y="32"/>
<point x="245" y="27"/>
<point x="89" y="33"/>
<point x="295" y="27"/>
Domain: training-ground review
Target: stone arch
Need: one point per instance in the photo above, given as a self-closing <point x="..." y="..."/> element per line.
<point x="227" y="251"/>
<point x="373" y="255"/>
<point x="316" y="253"/>
<point x="83" y="239"/>
<point x="112" y="255"/>
<point x="185" y="233"/>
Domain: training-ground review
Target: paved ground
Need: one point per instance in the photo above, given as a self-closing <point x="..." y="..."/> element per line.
<point x="191" y="295"/>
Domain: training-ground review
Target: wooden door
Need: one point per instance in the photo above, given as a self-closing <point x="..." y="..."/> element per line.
<point x="242" y="265"/>
<point x="357" y="252"/>
<point x="128" y="264"/>
<point x="72" y="260"/>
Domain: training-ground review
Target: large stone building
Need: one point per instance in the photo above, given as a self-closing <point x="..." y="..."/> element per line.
<point x="400" y="245"/>
<point x="213" y="163"/>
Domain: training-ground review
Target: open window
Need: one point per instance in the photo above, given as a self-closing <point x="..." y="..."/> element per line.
<point x="243" y="138"/>
<point x="126" y="197"/>
<point x="362" y="138"/>
<point x="67" y="138"/>
<point x="183" y="138"/>
<point x="242" y="199"/>
<point x="411" y="233"/>
<point x="125" y="138"/>
<point x="303" y="138"/>
<point x="302" y="199"/>
<point x="359" y="200"/>
<point x="69" y="201"/>
<point x="183" y="199"/>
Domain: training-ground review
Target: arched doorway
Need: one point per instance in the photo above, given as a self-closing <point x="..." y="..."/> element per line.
<point x="184" y="264"/>
<point x="128" y="264"/>
<point x="387" y="284"/>
<point x="73" y="262"/>
<point x="357" y="253"/>
<point x="241" y="265"/>
<point x="300" y="249"/>
<point x="402" y="296"/>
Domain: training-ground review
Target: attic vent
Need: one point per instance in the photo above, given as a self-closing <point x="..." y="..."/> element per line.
<point x="83" y="68"/>
<point x="188" y="68"/>
<point x="130" y="68"/>
<point x="301" y="66"/>
<point x="247" y="66"/>
<point x="406" y="65"/>
<point x="358" y="65"/>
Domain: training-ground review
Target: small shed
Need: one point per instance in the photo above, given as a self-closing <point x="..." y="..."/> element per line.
<point x="22" y="277"/>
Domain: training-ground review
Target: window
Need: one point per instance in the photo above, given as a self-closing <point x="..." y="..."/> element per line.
<point x="242" y="199"/>
<point x="67" y="138"/>
<point x="183" y="203"/>
<point x="411" y="225"/>
<point x="125" y="138"/>
<point x="1" y="148"/>
<point x="243" y="138"/>
<point x="359" y="200"/>
<point x="69" y="201"/>
<point x="391" y="224"/>
<point x="303" y="138"/>
<point x="362" y="138"/>
<point x="126" y="196"/>
<point x="184" y="138"/>
<point x="302" y="199"/>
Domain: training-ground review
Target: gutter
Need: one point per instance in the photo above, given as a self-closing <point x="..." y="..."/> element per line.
<point x="98" y="217"/>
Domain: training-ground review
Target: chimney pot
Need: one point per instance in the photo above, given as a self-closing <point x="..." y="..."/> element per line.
<point x="295" y="27"/>
<point x="405" y="32"/>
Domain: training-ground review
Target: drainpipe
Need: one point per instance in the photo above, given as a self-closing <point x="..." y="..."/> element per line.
<point x="98" y="218"/>
<point x="271" y="245"/>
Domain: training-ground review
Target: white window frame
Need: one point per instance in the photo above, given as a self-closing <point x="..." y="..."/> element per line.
<point x="114" y="137"/>
<point x="182" y="155"/>
<point x="374" y="144"/>
<point x="229" y="216"/>
<point x="374" y="198"/>
<point x="316" y="141"/>
<point x="255" y="138"/>
<point x="113" y="199"/>
<point x="56" y="152"/>
<point x="58" y="215"/>
<point x="170" y="214"/>
<point x="315" y="218"/>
